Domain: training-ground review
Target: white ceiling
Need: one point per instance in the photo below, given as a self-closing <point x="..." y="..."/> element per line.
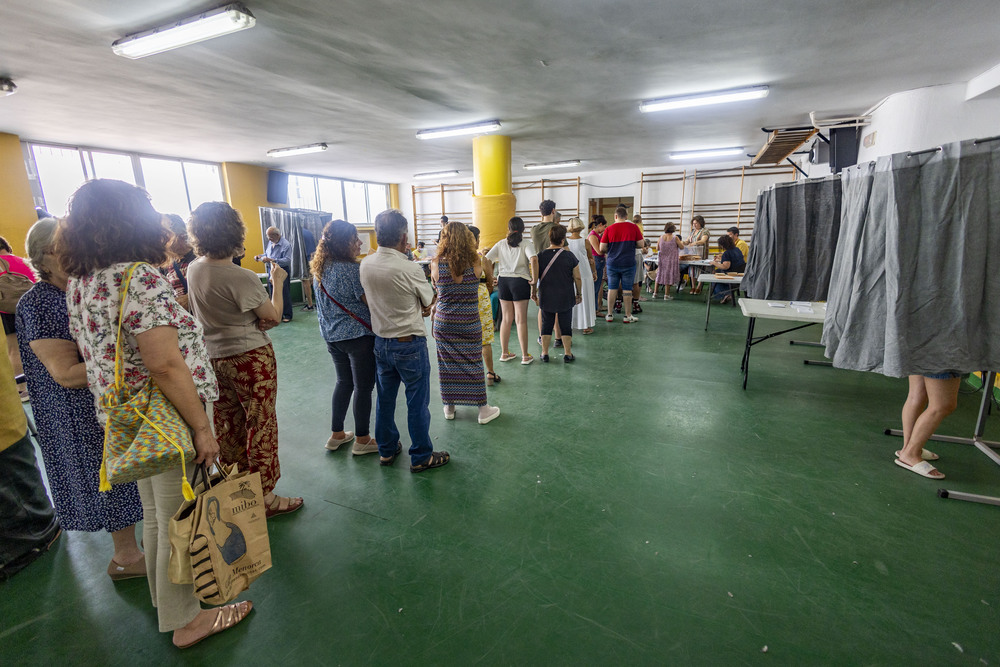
<point x="365" y="75"/>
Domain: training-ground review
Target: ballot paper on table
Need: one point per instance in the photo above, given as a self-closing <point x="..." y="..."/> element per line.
<point x="775" y="305"/>
<point x="804" y="309"/>
<point x="801" y="304"/>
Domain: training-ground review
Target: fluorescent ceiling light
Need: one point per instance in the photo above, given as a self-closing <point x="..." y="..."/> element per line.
<point x="296" y="150"/>
<point x="703" y="99"/>
<point x="213" y="23"/>
<point x="436" y="174"/>
<point x="553" y="165"/>
<point x="457" y="130"/>
<point x="714" y="152"/>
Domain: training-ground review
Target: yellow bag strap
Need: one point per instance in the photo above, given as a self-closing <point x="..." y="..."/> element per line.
<point x="104" y="484"/>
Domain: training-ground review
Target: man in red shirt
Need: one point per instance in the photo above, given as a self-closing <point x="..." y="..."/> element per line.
<point x="619" y="242"/>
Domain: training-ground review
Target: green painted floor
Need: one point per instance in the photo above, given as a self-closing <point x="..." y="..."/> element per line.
<point x="637" y="507"/>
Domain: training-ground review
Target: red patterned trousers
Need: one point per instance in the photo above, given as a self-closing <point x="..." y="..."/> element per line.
<point x="246" y="423"/>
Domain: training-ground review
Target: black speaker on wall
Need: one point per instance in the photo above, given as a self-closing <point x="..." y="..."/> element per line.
<point x="277" y="187"/>
<point x="844" y="147"/>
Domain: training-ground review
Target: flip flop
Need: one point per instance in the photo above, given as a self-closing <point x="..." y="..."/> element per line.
<point x="924" y="469"/>
<point x="508" y="357"/>
<point x="927" y="455"/>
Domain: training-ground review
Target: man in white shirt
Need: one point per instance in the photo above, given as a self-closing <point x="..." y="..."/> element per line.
<point x="399" y="299"/>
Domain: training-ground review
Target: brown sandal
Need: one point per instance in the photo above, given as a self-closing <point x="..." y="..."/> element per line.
<point x="274" y="508"/>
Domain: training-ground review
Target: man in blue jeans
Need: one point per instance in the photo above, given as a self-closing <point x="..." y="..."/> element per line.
<point x="619" y="243"/>
<point x="399" y="299"/>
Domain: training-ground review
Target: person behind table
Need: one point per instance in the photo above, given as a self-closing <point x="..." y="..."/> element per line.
<point x="584" y="316"/>
<point x="458" y="329"/>
<point x="619" y="242"/>
<point x="233" y="307"/>
<point x="111" y="230"/>
<point x="734" y="234"/>
<point x="517" y="268"/>
<point x="731" y="260"/>
<point x="419" y="253"/>
<point x="486" y="284"/>
<point x="20" y="267"/>
<point x="180" y="254"/>
<point x="69" y="436"/>
<point x="559" y="290"/>
<point x="596" y="229"/>
<point x="931" y="398"/>
<point x="345" y="323"/>
<point x="29" y="527"/>
<point x="279" y="251"/>
<point x="399" y="297"/>
<point x="698" y="240"/>
<point x="668" y="261"/>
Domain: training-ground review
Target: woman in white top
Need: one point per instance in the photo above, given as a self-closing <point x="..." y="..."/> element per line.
<point x="584" y="313"/>
<point x="517" y="266"/>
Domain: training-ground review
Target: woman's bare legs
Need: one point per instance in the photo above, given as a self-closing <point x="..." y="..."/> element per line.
<point x="126" y="548"/>
<point x="506" y="321"/>
<point x="521" y="318"/>
<point x="919" y="422"/>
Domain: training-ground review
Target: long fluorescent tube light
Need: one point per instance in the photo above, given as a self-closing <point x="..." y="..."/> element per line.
<point x="436" y="174"/>
<point x="698" y="155"/>
<point x="458" y="130"/>
<point x="703" y="99"/>
<point x="553" y="165"/>
<point x="213" y="23"/>
<point x="296" y="150"/>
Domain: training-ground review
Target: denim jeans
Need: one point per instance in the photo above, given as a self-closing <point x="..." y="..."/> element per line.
<point x="410" y="364"/>
<point x="354" y="361"/>
<point x="599" y="263"/>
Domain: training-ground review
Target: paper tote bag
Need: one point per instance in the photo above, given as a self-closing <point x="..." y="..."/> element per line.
<point x="144" y="435"/>
<point x="182" y="524"/>
<point x="229" y="545"/>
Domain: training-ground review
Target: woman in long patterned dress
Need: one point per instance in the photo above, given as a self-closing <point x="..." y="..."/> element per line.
<point x="668" y="270"/>
<point x="69" y="435"/>
<point x="458" y="330"/>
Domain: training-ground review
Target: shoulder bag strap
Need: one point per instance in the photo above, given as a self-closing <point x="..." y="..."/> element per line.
<point x="341" y="306"/>
<point x="549" y="265"/>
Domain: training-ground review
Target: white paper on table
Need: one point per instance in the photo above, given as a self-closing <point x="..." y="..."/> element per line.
<point x="775" y="305"/>
<point x="801" y="309"/>
<point x="801" y="304"/>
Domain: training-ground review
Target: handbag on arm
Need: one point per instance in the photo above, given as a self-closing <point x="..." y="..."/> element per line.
<point x="144" y="434"/>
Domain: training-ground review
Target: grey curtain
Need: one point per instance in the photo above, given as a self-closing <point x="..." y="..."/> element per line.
<point x="795" y="233"/>
<point x="291" y="222"/>
<point x="916" y="282"/>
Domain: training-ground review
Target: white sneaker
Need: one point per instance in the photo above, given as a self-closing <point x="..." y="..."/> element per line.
<point x="333" y="444"/>
<point x="629" y="319"/>
<point x="369" y="447"/>
<point x="449" y="414"/>
<point x="609" y="318"/>
<point x="490" y="416"/>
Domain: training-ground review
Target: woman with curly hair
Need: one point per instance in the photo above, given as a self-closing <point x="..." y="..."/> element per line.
<point x="233" y="306"/>
<point x="458" y="332"/>
<point x="113" y="232"/>
<point x="345" y="322"/>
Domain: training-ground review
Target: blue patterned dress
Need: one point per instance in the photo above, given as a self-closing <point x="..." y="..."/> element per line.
<point x="69" y="435"/>
<point x="459" y="337"/>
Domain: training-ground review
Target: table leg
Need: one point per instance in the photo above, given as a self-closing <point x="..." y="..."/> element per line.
<point x="745" y="365"/>
<point x="708" y="303"/>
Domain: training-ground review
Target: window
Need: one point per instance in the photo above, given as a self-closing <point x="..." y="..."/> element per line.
<point x="60" y="173"/>
<point x="302" y="192"/>
<point x="378" y="199"/>
<point x="175" y="186"/>
<point x="331" y="197"/>
<point x="356" y="203"/>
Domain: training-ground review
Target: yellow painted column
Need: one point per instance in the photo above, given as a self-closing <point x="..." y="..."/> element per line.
<point x="493" y="203"/>
<point x="246" y="191"/>
<point x="17" y="208"/>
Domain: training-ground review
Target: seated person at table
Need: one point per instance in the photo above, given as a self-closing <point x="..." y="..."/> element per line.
<point x="741" y="245"/>
<point x="731" y="260"/>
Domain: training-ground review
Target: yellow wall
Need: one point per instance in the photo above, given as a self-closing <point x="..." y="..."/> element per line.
<point x="246" y="191"/>
<point x="17" y="208"/>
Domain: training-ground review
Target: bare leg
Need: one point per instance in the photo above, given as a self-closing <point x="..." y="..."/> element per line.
<point x="488" y="358"/>
<point x="942" y="399"/>
<point x="307" y="292"/>
<point x="612" y="297"/>
<point x="126" y="548"/>
<point x="521" y="319"/>
<point x="506" y="322"/>
<point x="546" y="341"/>
<point x="627" y="303"/>
<point x="656" y="286"/>
<point x="915" y="403"/>
<point x="567" y="345"/>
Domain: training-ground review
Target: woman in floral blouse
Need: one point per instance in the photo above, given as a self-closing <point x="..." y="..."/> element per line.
<point x="112" y="226"/>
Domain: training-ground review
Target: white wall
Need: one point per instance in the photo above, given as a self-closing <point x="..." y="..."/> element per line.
<point x="927" y="117"/>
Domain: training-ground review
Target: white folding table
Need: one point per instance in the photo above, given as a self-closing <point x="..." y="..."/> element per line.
<point x="717" y="278"/>
<point x="810" y="312"/>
